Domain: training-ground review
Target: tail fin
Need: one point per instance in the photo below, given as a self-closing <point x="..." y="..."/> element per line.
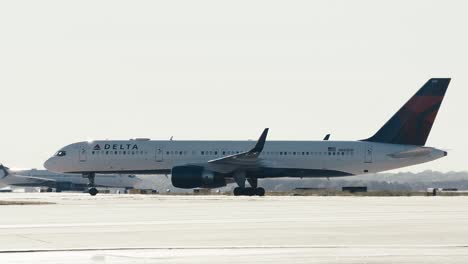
<point x="4" y="171"/>
<point x="412" y="124"/>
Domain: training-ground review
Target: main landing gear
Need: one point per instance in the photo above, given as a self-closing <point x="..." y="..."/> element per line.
<point x="91" y="190"/>
<point x="240" y="178"/>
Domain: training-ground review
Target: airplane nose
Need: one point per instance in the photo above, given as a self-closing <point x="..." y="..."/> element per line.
<point x="49" y="164"/>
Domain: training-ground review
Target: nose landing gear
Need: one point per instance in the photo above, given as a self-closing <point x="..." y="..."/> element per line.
<point x="91" y="190"/>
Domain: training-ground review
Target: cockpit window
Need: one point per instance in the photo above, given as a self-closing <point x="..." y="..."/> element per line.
<point x="61" y="153"/>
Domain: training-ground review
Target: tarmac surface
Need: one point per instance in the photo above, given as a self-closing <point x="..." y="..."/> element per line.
<point x="79" y="228"/>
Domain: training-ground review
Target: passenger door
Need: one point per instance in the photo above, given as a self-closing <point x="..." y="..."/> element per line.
<point x="83" y="154"/>
<point x="159" y="153"/>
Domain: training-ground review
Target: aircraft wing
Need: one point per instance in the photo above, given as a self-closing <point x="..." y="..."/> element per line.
<point x="7" y="178"/>
<point x="17" y="180"/>
<point x="37" y="179"/>
<point x="245" y="159"/>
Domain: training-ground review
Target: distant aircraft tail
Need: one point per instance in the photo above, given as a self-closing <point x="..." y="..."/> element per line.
<point x="412" y="124"/>
<point x="3" y="171"/>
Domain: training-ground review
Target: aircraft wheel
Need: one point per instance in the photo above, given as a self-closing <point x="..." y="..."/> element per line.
<point x="260" y="191"/>
<point x="238" y="191"/>
<point x="93" y="191"/>
<point x="249" y="191"/>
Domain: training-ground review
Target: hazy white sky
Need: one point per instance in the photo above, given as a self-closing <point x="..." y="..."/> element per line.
<point x="78" y="70"/>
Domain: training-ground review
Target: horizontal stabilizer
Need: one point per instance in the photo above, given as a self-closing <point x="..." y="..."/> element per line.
<point x="412" y="153"/>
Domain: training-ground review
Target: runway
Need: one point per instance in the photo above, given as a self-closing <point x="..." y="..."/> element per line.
<point x="226" y="229"/>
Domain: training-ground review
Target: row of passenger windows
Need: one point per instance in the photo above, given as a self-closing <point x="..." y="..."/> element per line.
<point x="270" y="153"/>
<point x="120" y="152"/>
<point x="215" y="153"/>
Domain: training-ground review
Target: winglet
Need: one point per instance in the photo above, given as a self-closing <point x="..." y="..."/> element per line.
<point x="261" y="142"/>
<point x="327" y="137"/>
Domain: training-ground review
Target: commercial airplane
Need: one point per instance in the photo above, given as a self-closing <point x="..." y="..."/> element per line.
<point x="62" y="181"/>
<point x="212" y="164"/>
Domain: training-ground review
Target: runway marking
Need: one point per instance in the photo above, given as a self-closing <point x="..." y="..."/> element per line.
<point x="177" y="222"/>
<point x="235" y="248"/>
<point x="166" y="222"/>
<point x="33" y="239"/>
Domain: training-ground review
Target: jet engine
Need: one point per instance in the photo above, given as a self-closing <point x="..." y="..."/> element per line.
<point x="192" y="176"/>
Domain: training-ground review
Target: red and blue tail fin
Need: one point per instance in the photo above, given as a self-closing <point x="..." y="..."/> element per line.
<point x="412" y="124"/>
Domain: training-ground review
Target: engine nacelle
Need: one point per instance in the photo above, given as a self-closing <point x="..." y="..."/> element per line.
<point x="192" y="176"/>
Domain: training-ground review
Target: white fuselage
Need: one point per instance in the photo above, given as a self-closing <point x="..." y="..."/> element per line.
<point x="145" y="156"/>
